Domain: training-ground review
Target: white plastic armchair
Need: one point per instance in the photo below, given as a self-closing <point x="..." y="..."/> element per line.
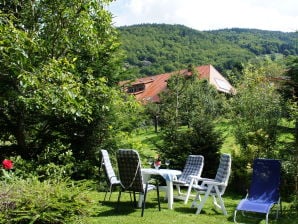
<point x="213" y="187"/>
<point x="193" y="168"/>
<point x="111" y="178"/>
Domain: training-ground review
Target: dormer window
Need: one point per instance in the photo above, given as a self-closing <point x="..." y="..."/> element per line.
<point x="136" y="88"/>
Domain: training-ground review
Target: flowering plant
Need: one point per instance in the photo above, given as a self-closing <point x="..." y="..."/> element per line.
<point x="157" y="162"/>
<point x="7" y="164"/>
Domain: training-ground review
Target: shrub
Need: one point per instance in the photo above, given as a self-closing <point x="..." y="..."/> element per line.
<point x="32" y="201"/>
<point x="201" y="139"/>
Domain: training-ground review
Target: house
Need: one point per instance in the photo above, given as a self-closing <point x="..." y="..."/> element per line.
<point x="147" y="89"/>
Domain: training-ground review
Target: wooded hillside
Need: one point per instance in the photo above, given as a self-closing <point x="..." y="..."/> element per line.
<point x="157" y="48"/>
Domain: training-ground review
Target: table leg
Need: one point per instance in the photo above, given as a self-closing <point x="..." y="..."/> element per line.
<point x="170" y="194"/>
<point x="141" y="198"/>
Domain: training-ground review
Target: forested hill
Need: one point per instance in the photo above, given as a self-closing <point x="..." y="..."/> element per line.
<point x="157" y="48"/>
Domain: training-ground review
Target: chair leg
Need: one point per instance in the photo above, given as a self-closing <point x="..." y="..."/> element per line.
<point x="197" y="197"/>
<point x="118" y="201"/>
<point x="144" y="200"/>
<point x="187" y="195"/>
<point x="221" y="204"/>
<point x="110" y="196"/>
<point x="279" y="209"/>
<point x="235" y="215"/>
<point x="111" y="190"/>
<point x="267" y="216"/>
<point x="203" y="200"/>
<point x="179" y="190"/>
<point x="135" y="199"/>
<point x="189" y="191"/>
<point x="104" y="199"/>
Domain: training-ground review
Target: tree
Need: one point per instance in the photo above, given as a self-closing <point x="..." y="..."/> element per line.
<point x="292" y="73"/>
<point x="59" y="63"/>
<point x="170" y="47"/>
<point x="187" y="112"/>
<point x="290" y="93"/>
<point x="290" y="88"/>
<point x="255" y="113"/>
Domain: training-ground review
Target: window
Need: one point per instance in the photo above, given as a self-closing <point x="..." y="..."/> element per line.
<point x="136" y="88"/>
<point x="222" y="84"/>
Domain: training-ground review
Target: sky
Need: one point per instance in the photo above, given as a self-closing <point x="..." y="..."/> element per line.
<point x="274" y="15"/>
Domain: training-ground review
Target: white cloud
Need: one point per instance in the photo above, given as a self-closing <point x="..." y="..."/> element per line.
<point x="209" y="15"/>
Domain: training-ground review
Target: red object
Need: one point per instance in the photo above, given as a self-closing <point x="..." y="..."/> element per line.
<point x="158" y="162"/>
<point x="148" y="89"/>
<point x="7" y="164"/>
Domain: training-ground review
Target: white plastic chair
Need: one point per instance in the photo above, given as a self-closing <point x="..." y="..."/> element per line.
<point x="191" y="172"/>
<point x="214" y="187"/>
<point x="111" y="178"/>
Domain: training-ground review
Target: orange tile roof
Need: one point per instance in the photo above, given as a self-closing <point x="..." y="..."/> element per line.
<point x="154" y="85"/>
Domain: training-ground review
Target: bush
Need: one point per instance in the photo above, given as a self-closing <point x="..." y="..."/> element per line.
<point x="201" y="139"/>
<point x="32" y="201"/>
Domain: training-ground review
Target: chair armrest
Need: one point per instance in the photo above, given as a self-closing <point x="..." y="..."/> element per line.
<point x="112" y="177"/>
<point x="208" y="182"/>
<point x="198" y="178"/>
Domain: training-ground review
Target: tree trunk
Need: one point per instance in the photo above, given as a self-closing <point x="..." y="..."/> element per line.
<point x="20" y="136"/>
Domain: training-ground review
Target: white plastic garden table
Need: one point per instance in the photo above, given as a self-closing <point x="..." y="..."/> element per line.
<point x="169" y="175"/>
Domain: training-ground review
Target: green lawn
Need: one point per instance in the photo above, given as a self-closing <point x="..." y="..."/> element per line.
<point x="107" y="213"/>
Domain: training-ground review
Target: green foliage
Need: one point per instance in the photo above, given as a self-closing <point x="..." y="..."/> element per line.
<point x="255" y="112"/>
<point x="32" y="201"/>
<point x="157" y="48"/>
<point x="290" y="154"/>
<point x="128" y="113"/>
<point x="56" y="90"/>
<point x="291" y="73"/>
<point x="261" y="42"/>
<point x="55" y="163"/>
<point x="85" y="207"/>
<point x="199" y="140"/>
<point x="60" y="61"/>
<point x="192" y="103"/>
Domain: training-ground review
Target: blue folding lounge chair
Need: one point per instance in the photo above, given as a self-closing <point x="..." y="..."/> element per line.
<point x="109" y="172"/>
<point x="130" y="176"/>
<point x="191" y="172"/>
<point x="263" y="193"/>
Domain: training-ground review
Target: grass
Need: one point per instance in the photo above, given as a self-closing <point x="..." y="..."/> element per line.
<point x="107" y="213"/>
<point x="126" y="214"/>
<point x="149" y="136"/>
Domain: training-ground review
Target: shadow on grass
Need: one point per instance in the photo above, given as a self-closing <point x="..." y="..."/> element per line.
<point x="243" y="219"/>
<point x="256" y="218"/>
<point x="123" y="208"/>
<point x="189" y="210"/>
<point x="185" y="210"/>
